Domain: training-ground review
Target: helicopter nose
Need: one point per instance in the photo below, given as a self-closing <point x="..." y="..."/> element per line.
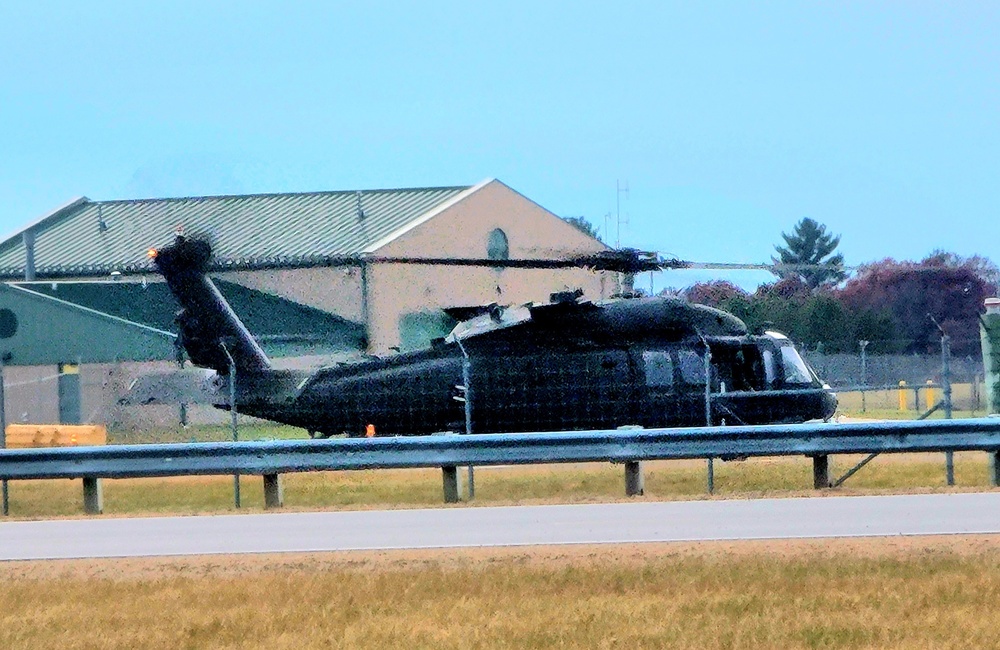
<point x="829" y="404"/>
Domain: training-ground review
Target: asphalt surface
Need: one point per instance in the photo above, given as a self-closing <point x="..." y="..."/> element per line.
<point x="621" y="523"/>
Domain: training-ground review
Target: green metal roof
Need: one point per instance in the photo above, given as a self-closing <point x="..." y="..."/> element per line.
<point x="283" y="327"/>
<point x="38" y="330"/>
<point x="94" y="238"/>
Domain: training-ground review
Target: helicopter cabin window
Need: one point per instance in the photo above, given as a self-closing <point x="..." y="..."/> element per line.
<point x="497" y="245"/>
<point x="692" y="367"/>
<point x="659" y="368"/>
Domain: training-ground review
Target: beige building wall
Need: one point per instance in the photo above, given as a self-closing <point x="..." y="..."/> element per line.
<point x="462" y="231"/>
<point x="334" y="290"/>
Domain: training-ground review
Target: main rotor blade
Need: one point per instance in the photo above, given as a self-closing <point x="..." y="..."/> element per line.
<point x="625" y="260"/>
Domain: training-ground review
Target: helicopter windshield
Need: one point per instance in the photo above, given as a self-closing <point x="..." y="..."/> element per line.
<point x="796" y="370"/>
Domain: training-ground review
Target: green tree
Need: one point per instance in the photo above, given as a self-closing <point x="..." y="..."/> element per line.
<point x="823" y="320"/>
<point x="811" y="246"/>
<point x="583" y="225"/>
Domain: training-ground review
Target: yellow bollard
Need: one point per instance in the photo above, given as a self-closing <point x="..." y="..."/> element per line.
<point x="930" y="399"/>
<point x="902" y="396"/>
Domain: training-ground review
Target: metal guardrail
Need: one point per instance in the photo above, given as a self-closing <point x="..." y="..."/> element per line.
<point x="270" y="459"/>
<point x="283" y="456"/>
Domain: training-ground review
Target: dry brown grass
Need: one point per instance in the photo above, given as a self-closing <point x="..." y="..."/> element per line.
<point x="914" y="593"/>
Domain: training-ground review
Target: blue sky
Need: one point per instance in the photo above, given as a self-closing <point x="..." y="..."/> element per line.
<point x="729" y="121"/>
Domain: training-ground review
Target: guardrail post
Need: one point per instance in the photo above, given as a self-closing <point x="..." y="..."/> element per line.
<point x="274" y="492"/>
<point x="995" y="469"/>
<point x="93" y="495"/>
<point x="821" y="472"/>
<point x="449" y="474"/>
<point x="635" y="484"/>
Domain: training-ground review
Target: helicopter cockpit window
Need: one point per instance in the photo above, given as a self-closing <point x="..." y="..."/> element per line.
<point x="692" y="367"/>
<point x="659" y="368"/>
<point x="769" y="369"/>
<point x="796" y="370"/>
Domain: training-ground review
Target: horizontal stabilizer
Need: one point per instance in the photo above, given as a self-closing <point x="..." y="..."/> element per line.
<point x="195" y="386"/>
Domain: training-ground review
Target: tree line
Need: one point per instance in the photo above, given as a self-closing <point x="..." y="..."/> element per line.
<point x="897" y="306"/>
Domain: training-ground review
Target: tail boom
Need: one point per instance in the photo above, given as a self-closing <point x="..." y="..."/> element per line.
<point x="210" y="330"/>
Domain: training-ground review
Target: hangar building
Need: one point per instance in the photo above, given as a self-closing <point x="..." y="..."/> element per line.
<point x="279" y="259"/>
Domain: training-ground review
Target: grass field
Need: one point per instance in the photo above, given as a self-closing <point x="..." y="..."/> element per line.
<point x="927" y="593"/>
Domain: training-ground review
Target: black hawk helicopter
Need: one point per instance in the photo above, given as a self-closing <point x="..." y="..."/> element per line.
<point x="566" y="365"/>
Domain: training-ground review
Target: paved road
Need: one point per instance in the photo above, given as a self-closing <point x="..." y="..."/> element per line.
<point x="507" y="526"/>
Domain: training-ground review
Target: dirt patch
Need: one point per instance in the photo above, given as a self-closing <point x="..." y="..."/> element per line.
<point x="142" y="569"/>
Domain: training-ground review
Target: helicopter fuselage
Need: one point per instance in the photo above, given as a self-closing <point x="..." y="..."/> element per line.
<point x="535" y="376"/>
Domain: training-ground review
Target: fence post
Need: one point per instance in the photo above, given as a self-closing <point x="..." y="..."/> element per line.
<point x="3" y="437"/>
<point x="233" y="421"/>
<point x="949" y="456"/>
<point x="710" y="463"/>
<point x="467" y="404"/>
<point x="902" y="396"/>
<point x="864" y="373"/>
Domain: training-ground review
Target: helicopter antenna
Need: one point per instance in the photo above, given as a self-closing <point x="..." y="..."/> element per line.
<point x="620" y="189"/>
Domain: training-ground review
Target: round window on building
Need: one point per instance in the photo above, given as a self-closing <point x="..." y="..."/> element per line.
<point x="497" y="246"/>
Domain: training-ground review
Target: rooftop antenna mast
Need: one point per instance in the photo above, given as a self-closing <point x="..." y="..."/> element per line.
<point x="620" y="189"/>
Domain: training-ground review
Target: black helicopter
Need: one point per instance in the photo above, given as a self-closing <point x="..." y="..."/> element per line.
<point x="566" y="365"/>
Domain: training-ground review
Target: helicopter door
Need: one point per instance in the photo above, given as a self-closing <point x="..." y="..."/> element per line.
<point x="554" y="390"/>
<point x="658" y="387"/>
<point x="744" y="377"/>
<point x="588" y="389"/>
<point x="691" y="387"/>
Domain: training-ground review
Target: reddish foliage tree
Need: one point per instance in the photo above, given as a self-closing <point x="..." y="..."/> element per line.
<point x="713" y="293"/>
<point x="791" y="287"/>
<point x="914" y="292"/>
